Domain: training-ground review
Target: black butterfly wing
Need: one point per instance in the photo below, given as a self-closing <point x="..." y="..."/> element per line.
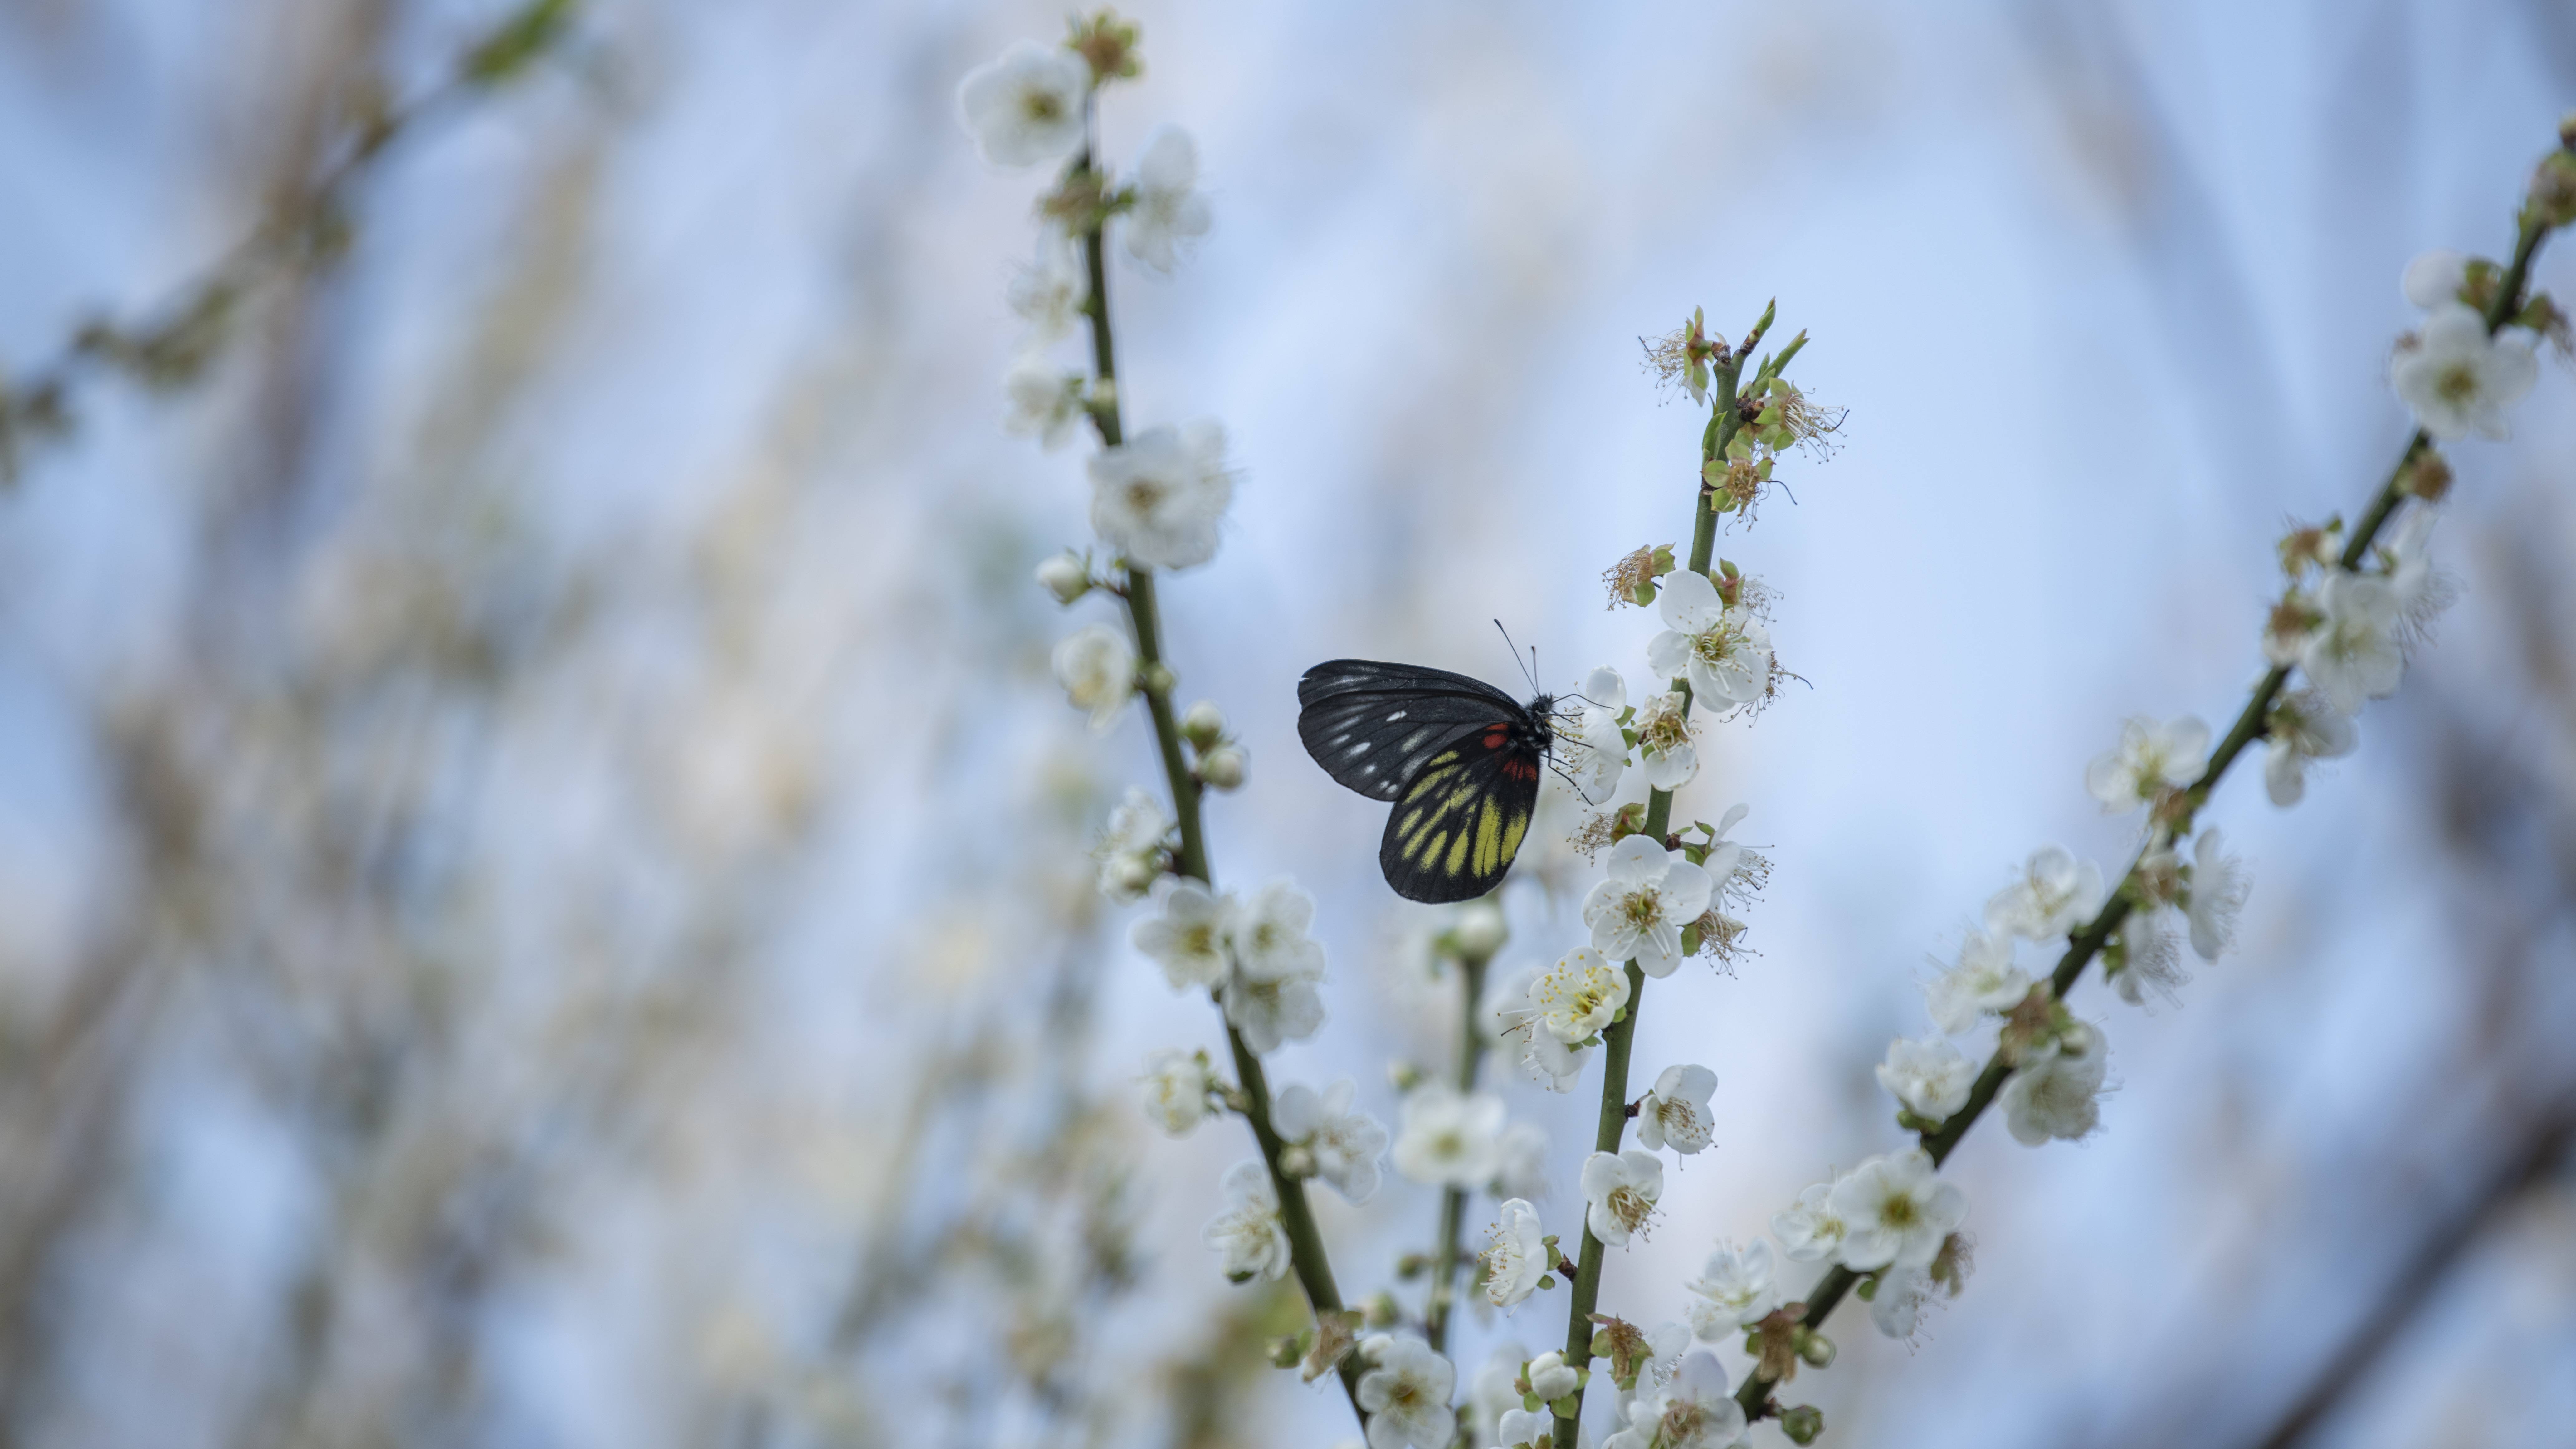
<point x="1373" y="726"/>
<point x="1460" y="819"/>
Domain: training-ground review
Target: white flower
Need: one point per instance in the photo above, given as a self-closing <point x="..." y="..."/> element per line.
<point x="2435" y="278"/>
<point x="1188" y="939"/>
<point x="1097" y="668"/>
<point x="1515" y="1255"/>
<point x="1665" y="1344"/>
<point x="2354" y="656"/>
<point x="1897" y="1305"/>
<point x="1639" y="911"/>
<point x="1676" y="1112"/>
<point x="1664" y="746"/>
<point x="2056" y="893"/>
<point x="1579" y="996"/>
<point x="1984" y="980"/>
<point x="2152" y="758"/>
<point x="1552" y="1378"/>
<point x="1520" y="1428"/>
<point x="1505" y="1008"/>
<point x="1521" y="1161"/>
<point x="2303" y="727"/>
<point x="2421" y="592"/>
<point x="1248" y="1231"/>
<point x="1478" y="929"/>
<point x="1734" y="870"/>
<point x="1270" y="994"/>
<point x="1517" y="1012"/>
<point x="1176" y="1090"/>
<point x="1694" y="1411"/>
<point x="1929" y="1077"/>
<point x="1027" y="106"/>
<point x="1895" y="1210"/>
<point x="1065" y="577"/>
<point x="1221" y="768"/>
<point x="1132" y="852"/>
<point x="2458" y="379"/>
<point x="2290" y="625"/>
<point x="1159" y="497"/>
<point x="2151" y="941"/>
<point x="2057" y="1092"/>
<point x="1725" y="653"/>
<point x="1733" y="1289"/>
<point x="1449" y="1139"/>
<point x="1345" y="1145"/>
<point x="1810" y="1230"/>
<point x="1168" y="208"/>
<point x="1406" y="1394"/>
<point x="1495" y="1393"/>
<point x="1046" y="401"/>
<point x="1621" y="1188"/>
<point x="2219" y="884"/>
<point x="1598" y="753"/>
<point x="1049" y="296"/>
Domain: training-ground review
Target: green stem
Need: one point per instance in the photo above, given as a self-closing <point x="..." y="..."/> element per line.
<point x="1446" y="1260"/>
<point x="1612" y="1129"/>
<point x="2087" y="943"/>
<point x="1296" y="1216"/>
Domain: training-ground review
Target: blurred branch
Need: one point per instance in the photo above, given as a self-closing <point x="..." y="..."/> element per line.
<point x="2543" y="1144"/>
<point x="2532" y="228"/>
<point x="308" y="229"/>
<point x="1453" y="1199"/>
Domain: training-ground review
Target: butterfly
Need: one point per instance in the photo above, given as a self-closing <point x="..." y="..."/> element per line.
<point x="1457" y="757"/>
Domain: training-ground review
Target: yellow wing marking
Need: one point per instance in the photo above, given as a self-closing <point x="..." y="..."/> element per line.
<point x="1458" y="854"/>
<point x="1512" y="834"/>
<point x="1432" y="774"/>
<point x="1489" y="839"/>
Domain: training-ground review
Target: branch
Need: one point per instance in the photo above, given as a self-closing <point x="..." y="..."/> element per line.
<point x="1305" y="1242"/>
<point x="2088" y="942"/>
<point x="307" y="228"/>
<point x="1445" y="1261"/>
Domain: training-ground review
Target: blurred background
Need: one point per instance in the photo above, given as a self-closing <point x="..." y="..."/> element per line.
<point x="542" y="882"/>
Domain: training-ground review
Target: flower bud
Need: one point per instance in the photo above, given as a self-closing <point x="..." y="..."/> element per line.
<point x="1295" y="1161"/>
<point x="1284" y="1352"/>
<point x="2553" y="188"/>
<point x="1382" y="1310"/>
<point x="1222" y="768"/>
<point x="1203" y="725"/>
<point x="1133" y="875"/>
<point x="2429" y="476"/>
<point x="1815" y="1349"/>
<point x="1480" y="931"/>
<point x="1630" y="820"/>
<point x="1802" y="1424"/>
<point x="1065" y="577"/>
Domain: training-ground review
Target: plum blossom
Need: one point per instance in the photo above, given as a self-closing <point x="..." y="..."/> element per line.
<point x="1810" y="1230"/>
<point x="1027" y="106"/>
<point x="2421" y="591"/>
<point x="1169" y="210"/>
<point x="1621" y="1188"/>
<point x="2219" y="884"/>
<point x="1406" y="1394"/>
<point x="1551" y="1377"/>
<point x="1579" y="997"/>
<point x="1676" y="1113"/>
<point x="2353" y="655"/>
<point x="1927" y="1077"/>
<point x="1495" y="1392"/>
<point x="1133" y="849"/>
<point x="1896" y="1210"/>
<point x="1638" y="912"/>
<point x="1897" y="1305"/>
<point x="1158" y="497"/>
<point x="1515" y="1255"/>
<point x="1447" y="1138"/>
<point x="2302" y="727"/>
<point x="1097" y="668"/>
<point x="2152" y="758"/>
<point x="1596" y="754"/>
<point x="1050" y="294"/>
<point x="1693" y="1411"/>
<point x="1248" y="1232"/>
<point x="1045" y="401"/>
<point x="1984" y="980"/>
<point x="2435" y="278"/>
<point x="1733" y="1289"/>
<point x="1344" y="1145"/>
<point x="1065" y="577"/>
<point x="1724" y="652"/>
<point x="1177" y="1087"/>
<point x="2151" y="951"/>
<point x="1520" y="1162"/>
<point x="1188" y="940"/>
<point x="1664" y="748"/>
<point x="1270" y="994"/>
<point x="2056" y="893"/>
<point x="2457" y="378"/>
<point x="1519" y="1428"/>
<point x="2056" y="1093"/>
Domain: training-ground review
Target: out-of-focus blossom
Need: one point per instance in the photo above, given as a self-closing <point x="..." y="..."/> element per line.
<point x="1026" y="107"/>
<point x="2458" y="379"/>
<point x="1732" y="1290"/>
<point x="1927" y="1077"/>
<point x="1159" y="497"/>
<point x="1248" y="1233"/>
<point x="1344" y="1145"/>
<point x="1448" y="1138"/>
<point x="1097" y="667"/>
<point x="2056" y="1092"/>
<point x="2152" y="758"/>
<point x="1169" y="210"/>
<point x="1896" y="1209"/>
<point x="1985" y="979"/>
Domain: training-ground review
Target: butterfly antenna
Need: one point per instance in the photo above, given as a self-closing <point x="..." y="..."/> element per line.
<point x="1529" y="671"/>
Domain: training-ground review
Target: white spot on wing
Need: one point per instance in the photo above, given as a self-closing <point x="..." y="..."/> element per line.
<point x="1399" y="714"/>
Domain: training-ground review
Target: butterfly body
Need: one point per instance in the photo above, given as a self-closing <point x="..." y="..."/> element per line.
<point x="1457" y="758"/>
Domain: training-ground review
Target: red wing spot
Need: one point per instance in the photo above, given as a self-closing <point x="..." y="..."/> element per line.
<point x="1494" y="736"/>
<point x="1520" y="769"/>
